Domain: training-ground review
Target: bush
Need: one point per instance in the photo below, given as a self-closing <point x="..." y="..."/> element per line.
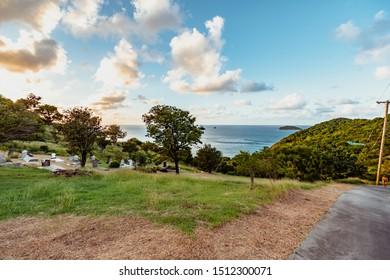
<point x="147" y="169"/>
<point x="44" y="148"/>
<point x="114" y="164"/>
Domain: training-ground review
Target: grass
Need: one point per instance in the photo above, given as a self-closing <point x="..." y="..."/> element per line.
<point x="185" y="201"/>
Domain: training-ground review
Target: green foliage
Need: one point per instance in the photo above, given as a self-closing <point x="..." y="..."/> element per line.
<point x="114" y="132"/>
<point x="184" y="202"/>
<point x="114" y="164"/>
<point x="207" y="158"/>
<point x="17" y="122"/>
<point x="173" y="130"/>
<point x="141" y="158"/>
<point x="321" y="152"/>
<point x="131" y="145"/>
<point x="81" y="129"/>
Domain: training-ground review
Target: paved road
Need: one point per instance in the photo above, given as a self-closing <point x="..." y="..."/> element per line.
<point x="357" y="227"/>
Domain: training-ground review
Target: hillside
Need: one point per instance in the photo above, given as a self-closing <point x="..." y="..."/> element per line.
<point x="356" y="140"/>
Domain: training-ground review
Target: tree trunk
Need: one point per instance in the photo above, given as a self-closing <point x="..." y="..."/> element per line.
<point x="83" y="158"/>
<point x="177" y="166"/>
<point x="252" y="180"/>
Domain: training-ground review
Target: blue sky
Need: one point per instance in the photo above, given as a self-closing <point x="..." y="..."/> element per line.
<point x="227" y="62"/>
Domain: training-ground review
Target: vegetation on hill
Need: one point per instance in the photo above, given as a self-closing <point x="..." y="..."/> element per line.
<point x="338" y="148"/>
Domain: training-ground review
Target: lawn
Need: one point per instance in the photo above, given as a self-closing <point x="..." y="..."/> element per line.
<point x="184" y="201"/>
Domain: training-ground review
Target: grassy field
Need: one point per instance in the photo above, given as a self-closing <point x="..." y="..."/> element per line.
<point x="185" y="201"/>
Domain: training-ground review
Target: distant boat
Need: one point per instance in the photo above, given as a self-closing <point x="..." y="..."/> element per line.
<point x="289" y="127"/>
<point x="215" y="127"/>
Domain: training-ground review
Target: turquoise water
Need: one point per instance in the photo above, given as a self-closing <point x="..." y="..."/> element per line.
<point x="229" y="139"/>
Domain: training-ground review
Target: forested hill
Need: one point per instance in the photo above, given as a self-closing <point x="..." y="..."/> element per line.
<point x="338" y="138"/>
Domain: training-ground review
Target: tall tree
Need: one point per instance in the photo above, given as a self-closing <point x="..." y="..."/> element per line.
<point x="49" y="113"/>
<point x="114" y="132"/>
<point x="17" y="122"/>
<point x="250" y="164"/>
<point x="207" y="158"/>
<point x="173" y="130"/>
<point x="81" y="129"/>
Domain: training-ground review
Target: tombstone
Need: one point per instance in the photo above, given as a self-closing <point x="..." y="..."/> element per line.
<point x="165" y="167"/>
<point x="3" y="159"/>
<point x="75" y="158"/>
<point x="53" y="155"/>
<point x="24" y="153"/>
<point x="45" y="162"/>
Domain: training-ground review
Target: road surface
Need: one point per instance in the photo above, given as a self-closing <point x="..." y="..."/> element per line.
<point x="357" y="227"/>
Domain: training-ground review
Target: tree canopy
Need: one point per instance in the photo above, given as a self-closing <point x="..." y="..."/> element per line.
<point x="207" y="158"/>
<point x="81" y="129"/>
<point x="173" y="130"/>
<point x="17" y="122"/>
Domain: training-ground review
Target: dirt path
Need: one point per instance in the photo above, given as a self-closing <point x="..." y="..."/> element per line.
<point x="272" y="232"/>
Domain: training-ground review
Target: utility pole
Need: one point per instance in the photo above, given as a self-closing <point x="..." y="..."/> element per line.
<point x="378" y="173"/>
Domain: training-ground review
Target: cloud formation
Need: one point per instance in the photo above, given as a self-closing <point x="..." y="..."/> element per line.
<point x="153" y="16"/>
<point x="198" y="62"/>
<point x="347" y="31"/>
<point x="113" y="100"/>
<point x="343" y="101"/>
<point x="382" y="73"/>
<point x="84" y="19"/>
<point x="289" y="102"/>
<point x="119" y="69"/>
<point x="42" y="15"/>
<point x="242" y="102"/>
<point x="251" y="86"/>
<point x="373" y="41"/>
<point x="144" y="100"/>
<point x="33" y="55"/>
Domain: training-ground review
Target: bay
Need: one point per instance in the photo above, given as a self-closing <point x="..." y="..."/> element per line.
<point x="229" y="139"/>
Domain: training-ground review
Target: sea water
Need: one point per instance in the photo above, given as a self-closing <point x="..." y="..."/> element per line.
<point x="229" y="139"/>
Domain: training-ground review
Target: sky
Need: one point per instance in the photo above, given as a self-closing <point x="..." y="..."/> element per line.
<point x="259" y="62"/>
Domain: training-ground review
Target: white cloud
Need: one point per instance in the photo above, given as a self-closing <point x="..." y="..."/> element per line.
<point x="242" y="102"/>
<point x="373" y="41"/>
<point x="144" y="100"/>
<point x="112" y="100"/>
<point x="380" y="15"/>
<point x="151" y="55"/>
<point x="120" y="69"/>
<point x="289" y="102"/>
<point x="382" y="73"/>
<point x="343" y="101"/>
<point x="84" y="19"/>
<point x="251" y="86"/>
<point x="32" y="52"/>
<point x="42" y="15"/>
<point x="347" y="31"/>
<point x="153" y="16"/>
<point x="198" y="62"/>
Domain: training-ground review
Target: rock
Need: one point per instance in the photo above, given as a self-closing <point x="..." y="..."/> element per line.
<point x="3" y="159"/>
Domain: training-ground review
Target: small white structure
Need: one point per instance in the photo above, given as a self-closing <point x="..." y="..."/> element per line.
<point x="124" y="165"/>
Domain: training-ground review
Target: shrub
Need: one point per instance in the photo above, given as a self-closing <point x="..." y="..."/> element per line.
<point x="114" y="164"/>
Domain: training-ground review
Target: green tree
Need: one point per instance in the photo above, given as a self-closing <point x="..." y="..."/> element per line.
<point x="249" y="164"/>
<point x="49" y="114"/>
<point x="207" y="158"/>
<point x="131" y="145"/>
<point x="173" y="130"/>
<point x="17" y="122"/>
<point x="81" y="129"/>
<point x="114" y="132"/>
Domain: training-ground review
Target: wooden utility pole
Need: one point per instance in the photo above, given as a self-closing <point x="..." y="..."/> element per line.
<point x="378" y="173"/>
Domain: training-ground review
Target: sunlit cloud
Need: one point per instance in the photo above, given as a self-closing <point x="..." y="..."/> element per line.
<point x="242" y="102"/>
<point x="290" y="102"/>
<point x="119" y="69"/>
<point x="198" y="62"/>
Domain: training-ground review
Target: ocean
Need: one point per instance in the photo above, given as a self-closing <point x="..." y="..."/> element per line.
<point x="229" y="139"/>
